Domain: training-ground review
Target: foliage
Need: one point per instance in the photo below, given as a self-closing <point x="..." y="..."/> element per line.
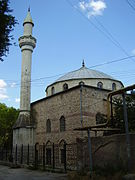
<point x="119" y="114"/>
<point x="7" y="24"/>
<point x="8" y="116"/>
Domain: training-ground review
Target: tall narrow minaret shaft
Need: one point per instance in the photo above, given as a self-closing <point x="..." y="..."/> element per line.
<point x="27" y="44"/>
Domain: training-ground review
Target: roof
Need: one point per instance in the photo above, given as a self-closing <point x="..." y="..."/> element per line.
<point x="28" y="18"/>
<point x="84" y="73"/>
<point x="68" y="90"/>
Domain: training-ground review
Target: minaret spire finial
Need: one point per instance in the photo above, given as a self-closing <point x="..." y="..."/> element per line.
<point x="83" y="64"/>
<point x="29" y="9"/>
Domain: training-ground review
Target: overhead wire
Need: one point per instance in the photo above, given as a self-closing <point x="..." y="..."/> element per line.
<point x="113" y="61"/>
<point x="106" y="31"/>
<point x="94" y="25"/>
<point x="130" y="4"/>
<point x="97" y="65"/>
<point x="108" y="35"/>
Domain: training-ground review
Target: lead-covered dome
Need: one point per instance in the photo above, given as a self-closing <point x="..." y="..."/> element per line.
<point x="84" y="73"/>
<point x="85" y="76"/>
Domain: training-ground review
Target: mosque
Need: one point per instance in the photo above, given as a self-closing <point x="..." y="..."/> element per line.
<point x="77" y="99"/>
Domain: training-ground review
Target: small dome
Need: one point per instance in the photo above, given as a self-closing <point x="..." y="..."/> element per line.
<point x="84" y="73"/>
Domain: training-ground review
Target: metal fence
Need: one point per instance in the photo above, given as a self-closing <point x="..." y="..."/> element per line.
<point x="51" y="156"/>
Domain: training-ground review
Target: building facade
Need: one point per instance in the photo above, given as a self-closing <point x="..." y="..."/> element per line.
<point x="75" y="100"/>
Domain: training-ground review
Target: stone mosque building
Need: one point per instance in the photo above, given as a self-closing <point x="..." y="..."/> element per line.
<point x="72" y="101"/>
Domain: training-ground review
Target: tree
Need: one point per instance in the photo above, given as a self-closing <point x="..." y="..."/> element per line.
<point x="7" y="24"/>
<point x="8" y="116"/>
<point x="119" y="114"/>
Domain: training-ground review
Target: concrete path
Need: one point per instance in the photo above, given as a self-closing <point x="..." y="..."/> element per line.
<point x="7" y="173"/>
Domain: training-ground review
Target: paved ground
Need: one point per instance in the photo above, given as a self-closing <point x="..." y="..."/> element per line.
<point x="7" y="173"/>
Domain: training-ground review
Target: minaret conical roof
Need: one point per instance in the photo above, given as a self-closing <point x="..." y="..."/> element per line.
<point x="28" y="18"/>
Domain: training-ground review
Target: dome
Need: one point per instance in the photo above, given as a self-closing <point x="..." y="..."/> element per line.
<point x="84" y="73"/>
<point x="89" y="77"/>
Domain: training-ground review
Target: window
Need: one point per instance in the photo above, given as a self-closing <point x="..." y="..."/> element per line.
<point x="100" y="85"/>
<point x="62" y="147"/>
<point x="48" y="126"/>
<point x="53" y="90"/>
<point x="65" y="86"/>
<point x="81" y="83"/>
<point x="48" y="156"/>
<point x="62" y="124"/>
<point x="62" y="154"/>
<point x="113" y="86"/>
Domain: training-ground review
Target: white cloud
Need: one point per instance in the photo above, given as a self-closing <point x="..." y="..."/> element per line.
<point x="3" y="84"/>
<point x="17" y="100"/>
<point x="3" y="91"/>
<point x="82" y="5"/>
<point x="93" y="7"/>
<point x="3" y="96"/>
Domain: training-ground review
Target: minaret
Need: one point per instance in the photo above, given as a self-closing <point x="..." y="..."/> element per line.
<point x="24" y="126"/>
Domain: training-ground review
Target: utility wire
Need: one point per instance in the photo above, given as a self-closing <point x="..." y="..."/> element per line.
<point x="113" y="38"/>
<point x="97" y="65"/>
<point x="113" y="61"/>
<point x="94" y="25"/>
<point x="106" y="33"/>
<point x="13" y="82"/>
<point x="130" y="4"/>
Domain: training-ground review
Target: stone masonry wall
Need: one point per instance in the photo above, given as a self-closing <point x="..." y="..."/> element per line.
<point x="67" y="104"/>
<point x="107" y="151"/>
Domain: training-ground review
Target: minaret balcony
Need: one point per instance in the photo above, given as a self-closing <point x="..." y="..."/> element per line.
<point x="27" y="41"/>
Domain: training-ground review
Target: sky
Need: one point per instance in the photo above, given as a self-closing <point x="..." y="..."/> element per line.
<point x="68" y="31"/>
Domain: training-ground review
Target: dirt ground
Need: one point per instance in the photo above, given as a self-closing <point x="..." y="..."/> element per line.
<point x="7" y="173"/>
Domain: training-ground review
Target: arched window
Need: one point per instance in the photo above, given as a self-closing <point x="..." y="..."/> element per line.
<point x="65" y="86"/>
<point x="113" y="86"/>
<point x="48" y="126"/>
<point x="62" y="145"/>
<point x="53" y="90"/>
<point x="48" y="152"/>
<point x="100" y="85"/>
<point x="62" y="124"/>
<point x="81" y="83"/>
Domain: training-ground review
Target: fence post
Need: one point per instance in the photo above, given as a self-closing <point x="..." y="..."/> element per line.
<point x="127" y="132"/>
<point x="2" y="154"/>
<point x="65" y="158"/>
<point x="44" y="156"/>
<point x="28" y="155"/>
<point x="16" y="155"/>
<point x="11" y="155"/>
<point x="36" y="156"/>
<point x="90" y="152"/>
<point x="53" y="157"/>
<point x="6" y="152"/>
<point x="22" y="154"/>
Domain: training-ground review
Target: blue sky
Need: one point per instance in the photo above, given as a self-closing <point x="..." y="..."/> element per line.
<point x="65" y="35"/>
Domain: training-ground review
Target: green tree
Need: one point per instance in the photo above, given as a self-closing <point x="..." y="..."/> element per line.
<point x="7" y="24"/>
<point x="119" y="114"/>
<point x="8" y="116"/>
